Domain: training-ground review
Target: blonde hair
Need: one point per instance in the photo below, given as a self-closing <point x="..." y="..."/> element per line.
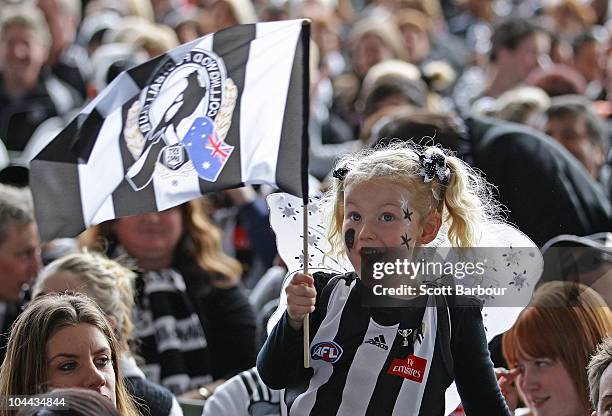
<point x="24" y="370"/>
<point x="561" y="311"/>
<point x="464" y="203"/>
<point x="105" y="280"/>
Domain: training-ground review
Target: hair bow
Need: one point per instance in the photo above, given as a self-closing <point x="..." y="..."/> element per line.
<point x="433" y="165"/>
<point x="340" y="173"/>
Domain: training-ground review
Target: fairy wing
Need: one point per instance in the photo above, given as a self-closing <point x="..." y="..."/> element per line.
<point x="287" y="221"/>
<point x="513" y="262"/>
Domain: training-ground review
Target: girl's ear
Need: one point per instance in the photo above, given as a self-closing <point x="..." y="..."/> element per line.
<point x="430" y="228"/>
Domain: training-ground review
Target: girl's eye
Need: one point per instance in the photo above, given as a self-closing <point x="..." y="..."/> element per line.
<point x="353" y="216"/>
<point x="67" y="366"/>
<point x="387" y="217"/>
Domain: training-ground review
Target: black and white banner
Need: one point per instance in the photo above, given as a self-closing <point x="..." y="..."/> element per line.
<point x="222" y="111"/>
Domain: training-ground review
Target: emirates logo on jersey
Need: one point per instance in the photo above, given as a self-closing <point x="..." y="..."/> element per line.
<point x="327" y="351"/>
<point x="412" y="368"/>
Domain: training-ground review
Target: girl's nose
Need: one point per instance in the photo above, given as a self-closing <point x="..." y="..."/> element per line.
<point x="367" y="232"/>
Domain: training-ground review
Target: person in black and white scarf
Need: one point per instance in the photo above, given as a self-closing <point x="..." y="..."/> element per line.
<point x="194" y="325"/>
<point x="387" y="360"/>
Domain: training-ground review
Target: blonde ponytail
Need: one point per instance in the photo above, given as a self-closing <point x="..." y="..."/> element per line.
<point x="469" y="203"/>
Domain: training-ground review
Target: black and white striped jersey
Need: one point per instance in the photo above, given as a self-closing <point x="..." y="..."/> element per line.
<point x="381" y="361"/>
<point x="245" y="395"/>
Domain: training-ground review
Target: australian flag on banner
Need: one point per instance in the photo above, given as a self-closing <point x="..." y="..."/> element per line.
<point x="207" y="151"/>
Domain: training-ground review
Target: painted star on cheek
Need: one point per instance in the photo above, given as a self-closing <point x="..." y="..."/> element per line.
<point x="406" y="209"/>
<point x="407" y="214"/>
<point x="406" y="241"/>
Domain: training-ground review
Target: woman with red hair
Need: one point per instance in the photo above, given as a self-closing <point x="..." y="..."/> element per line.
<point x="549" y="347"/>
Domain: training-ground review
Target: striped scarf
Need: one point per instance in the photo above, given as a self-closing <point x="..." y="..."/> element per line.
<point x="171" y="337"/>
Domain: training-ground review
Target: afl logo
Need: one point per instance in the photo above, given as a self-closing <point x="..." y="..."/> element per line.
<point x="327" y="351"/>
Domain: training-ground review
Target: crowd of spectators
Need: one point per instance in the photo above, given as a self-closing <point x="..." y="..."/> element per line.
<point x="520" y="90"/>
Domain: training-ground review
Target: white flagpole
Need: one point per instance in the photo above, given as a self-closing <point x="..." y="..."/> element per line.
<point x="306" y="323"/>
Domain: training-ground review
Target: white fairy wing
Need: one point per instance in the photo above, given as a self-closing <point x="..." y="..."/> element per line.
<point x="287" y="219"/>
<point x="513" y="262"/>
<point x="512" y="266"/>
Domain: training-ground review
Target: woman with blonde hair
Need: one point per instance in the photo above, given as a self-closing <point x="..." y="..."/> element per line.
<point x="63" y="341"/>
<point x="110" y="285"/>
<point x="194" y="323"/>
<point x="549" y="346"/>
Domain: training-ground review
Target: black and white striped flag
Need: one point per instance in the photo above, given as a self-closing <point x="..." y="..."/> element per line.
<point x="225" y="110"/>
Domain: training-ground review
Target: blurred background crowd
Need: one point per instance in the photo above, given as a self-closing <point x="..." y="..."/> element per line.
<point x="520" y="90"/>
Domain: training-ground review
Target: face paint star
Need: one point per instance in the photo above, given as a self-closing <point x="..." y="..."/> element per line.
<point x="408" y="214"/>
<point x="406" y="240"/>
<point x="406" y="209"/>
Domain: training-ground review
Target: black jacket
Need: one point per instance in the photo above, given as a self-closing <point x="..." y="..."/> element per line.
<point x="20" y="117"/>
<point x="546" y="190"/>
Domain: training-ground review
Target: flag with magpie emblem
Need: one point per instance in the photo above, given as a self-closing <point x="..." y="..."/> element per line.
<point x="223" y="111"/>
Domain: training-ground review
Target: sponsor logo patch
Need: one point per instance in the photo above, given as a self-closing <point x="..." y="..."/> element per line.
<point x="378" y="341"/>
<point x="327" y="351"/>
<point x="411" y="368"/>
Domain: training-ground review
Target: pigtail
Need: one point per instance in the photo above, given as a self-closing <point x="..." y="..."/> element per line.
<point x="469" y="203"/>
<point x="333" y="204"/>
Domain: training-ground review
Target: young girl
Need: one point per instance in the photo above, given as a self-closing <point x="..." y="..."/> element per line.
<point x="380" y="361"/>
